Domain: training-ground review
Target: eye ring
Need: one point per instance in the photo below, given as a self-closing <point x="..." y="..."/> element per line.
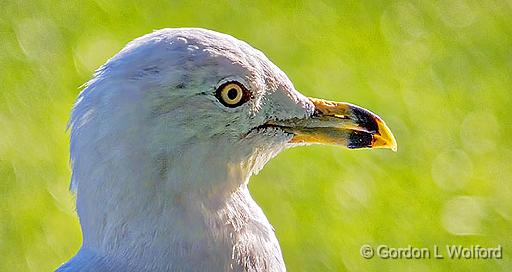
<point x="232" y="94"/>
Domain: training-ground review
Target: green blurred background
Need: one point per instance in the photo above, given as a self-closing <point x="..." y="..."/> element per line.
<point x="439" y="73"/>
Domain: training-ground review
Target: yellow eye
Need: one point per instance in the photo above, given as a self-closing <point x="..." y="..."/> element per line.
<point x="232" y="94"/>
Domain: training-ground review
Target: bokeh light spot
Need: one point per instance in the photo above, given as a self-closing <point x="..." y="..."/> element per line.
<point x="463" y="215"/>
<point x="451" y="170"/>
<point x="479" y="132"/>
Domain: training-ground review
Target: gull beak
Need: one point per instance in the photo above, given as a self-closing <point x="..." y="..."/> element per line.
<point x="342" y="124"/>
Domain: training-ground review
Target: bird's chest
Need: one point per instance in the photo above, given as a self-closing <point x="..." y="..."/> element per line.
<point x="252" y="245"/>
<point x="233" y="236"/>
<point x="240" y="238"/>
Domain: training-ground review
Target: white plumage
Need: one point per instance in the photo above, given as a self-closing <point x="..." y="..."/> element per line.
<point x="160" y="165"/>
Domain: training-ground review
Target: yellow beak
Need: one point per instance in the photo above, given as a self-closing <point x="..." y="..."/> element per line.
<point x="343" y="124"/>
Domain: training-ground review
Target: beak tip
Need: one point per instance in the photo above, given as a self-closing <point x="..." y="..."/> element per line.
<point x="394" y="148"/>
<point x="384" y="138"/>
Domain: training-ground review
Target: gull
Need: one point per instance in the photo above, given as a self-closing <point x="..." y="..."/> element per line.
<point x="164" y="139"/>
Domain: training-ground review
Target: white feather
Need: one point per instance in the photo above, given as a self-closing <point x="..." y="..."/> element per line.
<point x="160" y="167"/>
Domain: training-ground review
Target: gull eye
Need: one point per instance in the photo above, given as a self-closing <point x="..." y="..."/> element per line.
<point x="232" y="94"/>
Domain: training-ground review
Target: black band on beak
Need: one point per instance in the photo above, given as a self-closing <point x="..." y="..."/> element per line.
<point x="359" y="139"/>
<point x="365" y="119"/>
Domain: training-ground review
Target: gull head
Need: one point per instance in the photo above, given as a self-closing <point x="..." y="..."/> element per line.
<point x="166" y="135"/>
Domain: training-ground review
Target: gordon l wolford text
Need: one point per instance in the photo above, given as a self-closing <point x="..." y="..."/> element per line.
<point x="437" y="252"/>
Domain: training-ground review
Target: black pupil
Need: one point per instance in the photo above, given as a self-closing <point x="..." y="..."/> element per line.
<point x="232" y="93"/>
